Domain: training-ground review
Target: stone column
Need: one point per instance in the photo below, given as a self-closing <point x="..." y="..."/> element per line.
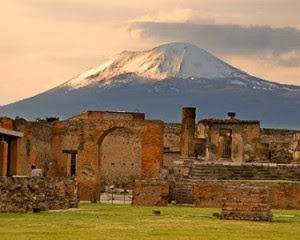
<point x="296" y="148"/>
<point x="187" y="145"/>
<point x="3" y="158"/>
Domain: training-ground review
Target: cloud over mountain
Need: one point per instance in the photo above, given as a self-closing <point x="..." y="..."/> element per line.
<point x="281" y="43"/>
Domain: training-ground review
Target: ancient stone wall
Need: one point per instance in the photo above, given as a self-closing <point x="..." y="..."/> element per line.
<point x="6" y="123"/>
<point x="273" y="145"/>
<point x="171" y="143"/>
<point x="285" y="195"/>
<point x="125" y="148"/>
<point x="246" y="203"/>
<point x="151" y="193"/>
<point x="106" y="115"/>
<point x="24" y="194"/>
<point x="280" y="144"/>
<point x="120" y="157"/>
<point x="276" y="135"/>
<point x="86" y="139"/>
<point x="35" y="146"/>
<point x="230" y="141"/>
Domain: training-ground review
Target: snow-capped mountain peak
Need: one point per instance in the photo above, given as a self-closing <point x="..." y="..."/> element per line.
<point x="179" y="60"/>
<point x="162" y="80"/>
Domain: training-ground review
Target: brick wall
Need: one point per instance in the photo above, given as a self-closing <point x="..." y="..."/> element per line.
<point x="280" y="143"/>
<point x="24" y="194"/>
<point x="48" y="146"/>
<point x="285" y="195"/>
<point x="171" y="143"/>
<point x="6" y="123"/>
<point x="246" y="203"/>
<point x="151" y="193"/>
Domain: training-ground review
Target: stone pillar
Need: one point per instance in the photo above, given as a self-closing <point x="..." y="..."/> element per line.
<point x="3" y="158"/>
<point x="296" y="148"/>
<point x="14" y="157"/>
<point x="187" y="145"/>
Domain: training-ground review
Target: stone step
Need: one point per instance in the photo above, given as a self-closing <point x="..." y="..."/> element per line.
<point x="244" y="172"/>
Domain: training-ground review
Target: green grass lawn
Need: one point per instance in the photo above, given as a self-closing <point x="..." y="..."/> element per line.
<point x="98" y="221"/>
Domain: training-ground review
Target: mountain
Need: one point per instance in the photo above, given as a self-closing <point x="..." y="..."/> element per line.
<point x="160" y="82"/>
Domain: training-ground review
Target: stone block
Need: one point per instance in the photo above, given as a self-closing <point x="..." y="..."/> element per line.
<point x="246" y="203"/>
<point x="151" y="193"/>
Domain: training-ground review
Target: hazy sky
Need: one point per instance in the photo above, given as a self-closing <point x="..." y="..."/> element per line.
<point x="44" y="43"/>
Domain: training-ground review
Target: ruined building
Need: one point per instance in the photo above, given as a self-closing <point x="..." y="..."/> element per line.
<point x="228" y="140"/>
<point x="102" y="148"/>
<point x="96" y="147"/>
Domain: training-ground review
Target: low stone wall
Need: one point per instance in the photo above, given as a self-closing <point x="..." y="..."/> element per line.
<point x="246" y="203"/>
<point x="22" y="194"/>
<point x="285" y="195"/>
<point x="151" y="193"/>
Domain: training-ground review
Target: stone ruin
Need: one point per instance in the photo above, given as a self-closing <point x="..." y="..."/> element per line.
<point x="219" y="153"/>
<point x="246" y="203"/>
<point x="124" y="149"/>
<point x="22" y="194"/>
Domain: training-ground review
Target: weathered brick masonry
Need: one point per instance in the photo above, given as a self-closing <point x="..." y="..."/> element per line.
<point x="151" y="193"/>
<point x="284" y="195"/>
<point x="246" y="203"/>
<point x="107" y="148"/>
<point x="280" y="143"/>
<point x="24" y="193"/>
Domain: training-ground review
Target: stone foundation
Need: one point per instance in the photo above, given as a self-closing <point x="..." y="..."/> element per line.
<point x="22" y="194"/>
<point x="285" y="195"/>
<point x="246" y="203"/>
<point x="151" y="193"/>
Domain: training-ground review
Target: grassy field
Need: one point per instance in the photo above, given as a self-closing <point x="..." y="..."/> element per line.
<point x="98" y="221"/>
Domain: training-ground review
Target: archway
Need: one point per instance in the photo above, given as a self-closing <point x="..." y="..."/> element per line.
<point x="119" y="157"/>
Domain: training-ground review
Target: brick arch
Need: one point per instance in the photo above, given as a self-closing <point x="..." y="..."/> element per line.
<point x="92" y="133"/>
<point x="110" y="130"/>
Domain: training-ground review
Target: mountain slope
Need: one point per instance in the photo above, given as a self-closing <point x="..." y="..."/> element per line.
<point x="179" y="60"/>
<point x="162" y="80"/>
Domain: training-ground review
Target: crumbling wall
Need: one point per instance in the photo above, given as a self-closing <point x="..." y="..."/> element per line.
<point x="24" y="194"/>
<point x="35" y="145"/>
<point x="244" y="138"/>
<point x="171" y="143"/>
<point x="106" y="115"/>
<point x="151" y="193"/>
<point x="285" y="195"/>
<point x="6" y="123"/>
<point x="85" y="137"/>
<point x="246" y="203"/>
<point x="280" y="144"/>
<point x="56" y="147"/>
